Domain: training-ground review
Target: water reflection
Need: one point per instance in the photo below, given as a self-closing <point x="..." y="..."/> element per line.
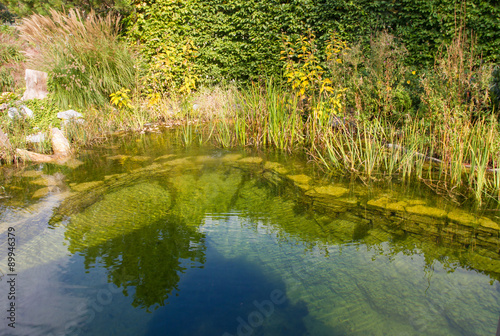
<point x="196" y="238"/>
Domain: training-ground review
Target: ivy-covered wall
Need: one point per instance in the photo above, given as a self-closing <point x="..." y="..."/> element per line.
<point x="241" y="39"/>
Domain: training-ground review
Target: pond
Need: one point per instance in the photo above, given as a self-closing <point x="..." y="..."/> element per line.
<point x="147" y="237"/>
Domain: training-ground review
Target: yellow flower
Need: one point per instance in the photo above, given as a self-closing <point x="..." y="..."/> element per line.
<point x="413" y="72"/>
<point x="408" y="82"/>
<point x="339" y="61"/>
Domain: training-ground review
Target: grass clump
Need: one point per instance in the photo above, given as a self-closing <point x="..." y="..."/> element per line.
<point x="83" y="54"/>
<point x="11" y="59"/>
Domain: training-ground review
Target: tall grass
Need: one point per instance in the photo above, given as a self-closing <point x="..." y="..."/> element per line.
<point x="84" y="56"/>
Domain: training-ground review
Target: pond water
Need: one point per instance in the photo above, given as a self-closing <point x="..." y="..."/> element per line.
<point x="147" y="237"/>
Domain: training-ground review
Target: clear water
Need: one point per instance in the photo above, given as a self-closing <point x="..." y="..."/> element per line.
<point x="173" y="241"/>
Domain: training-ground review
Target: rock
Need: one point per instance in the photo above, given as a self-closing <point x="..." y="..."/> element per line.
<point x="427" y="211"/>
<point x="140" y="158"/>
<point x="4" y="141"/>
<point x="41" y="192"/>
<point x="69" y="114"/>
<point x="36" y="84"/>
<point x="13" y="113"/>
<point x="36" y="138"/>
<point x="26" y="111"/>
<point x="275" y="167"/>
<point x="85" y="185"/>
<point x="60" y="145"/>
<point x="326" y="191"/>
<point x="251" y="160"/>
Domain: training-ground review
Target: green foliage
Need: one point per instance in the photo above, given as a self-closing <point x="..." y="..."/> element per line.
<point x="240" y="39"/>
<point x="25" y="8"/>
<point x="84" y="57"/>
<point x="10" y="57"/>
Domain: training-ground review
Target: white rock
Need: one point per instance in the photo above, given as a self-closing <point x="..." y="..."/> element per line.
<point x="36" y="138"/>
<point x="26" y="111"/>
<point x="60" y="145"/>
<point x="69" y="114"/>
<point x="13" y="113"/>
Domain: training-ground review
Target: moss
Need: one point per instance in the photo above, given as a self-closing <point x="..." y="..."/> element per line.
<point x="164" y="157"/>
<point x="300" y="179"/>
<point x="118" y="213"/>
<point x="426" y="211"/>
<point x="85" y="185"/>
<point x="231" y="157"/>
<point x="178" y="162"/>
<point x="40" y="181"/>
<point x="73" y="163"/>
<point x="41" y="192"/>
<point x="118" y="157"/>
<point x="30" y="173"/>
<point x="397" y="206"/>
<point x="205" y="159"/>
<point x="463" y="218"/>
<point x="275" y="167"/>
<point x="415" y="202"/>
<point x="486" y="222"/>
<point x="114" y="176"/>
<point x="327" y="191"/>
<point x="140" y="158"/>
<point x="379" y="203"/>
<point x="251" y="160"/>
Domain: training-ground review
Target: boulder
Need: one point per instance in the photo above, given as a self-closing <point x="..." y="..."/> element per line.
<point x="4" y="141"/>
<point x="69" y="114"/>
<point x="26" y="111"/>
<point x="13" y="113"/>
<point x="60" y="145"/>
<point x="36" y="84"/>
<point x="35" y="138"/>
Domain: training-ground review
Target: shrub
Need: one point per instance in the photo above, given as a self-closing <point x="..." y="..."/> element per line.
<point x="84" y="56"/>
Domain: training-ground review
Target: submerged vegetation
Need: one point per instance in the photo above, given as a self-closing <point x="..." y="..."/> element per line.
<point x="364" y="107"/>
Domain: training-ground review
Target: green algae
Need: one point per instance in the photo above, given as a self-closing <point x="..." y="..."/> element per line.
<point x="327" y="191"/>
<point x="85" y="185"/>
<point x="118" y="213"/>
<point x="251" y="160"/>
<point x="276" y="167"/>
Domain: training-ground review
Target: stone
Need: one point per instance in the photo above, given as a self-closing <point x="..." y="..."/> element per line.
<point x="69" y="114"/>
<point x="140" y="158"/>
<point x="4" y="141"/>
<point x="36" y="85"/>
<point x="26" y="111"/>
<point x="327" y="191"/>
<point x="251" y="160"/>
<point x="379" y="203"/>
<point x="164" y="157"/>
<point x="462" y="217"/>
<point x="275" y="167"/>
<point x="41" y="192"/>
<point x="13" y="113"/>
<point x="426" y="211"/>
<point x="30" y="173"/>
<point x="36" y="138"/>
<point x="231" y="157"/>
<point x="60" y="145"/>
<point x="85" y="185"/>
<point x="118" y="157"/>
